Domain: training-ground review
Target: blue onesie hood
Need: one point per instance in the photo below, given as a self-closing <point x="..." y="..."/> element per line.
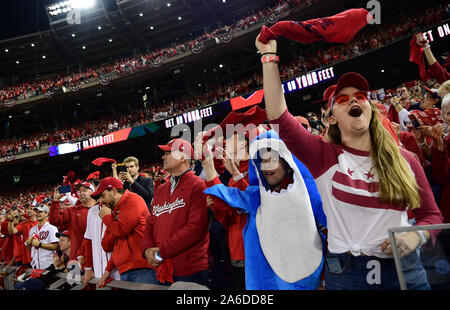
<point x="283" y="246"/>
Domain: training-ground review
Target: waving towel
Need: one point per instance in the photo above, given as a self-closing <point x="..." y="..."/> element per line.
<point x="339" y="28"/>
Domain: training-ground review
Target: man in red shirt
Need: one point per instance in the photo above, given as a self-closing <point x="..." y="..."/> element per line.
<point x="8" y="243"/>
<point x="176" y="239"/>
<point x="125" y="215"/>
<point x="73" y="218"/>
<point x="20" y="230"/>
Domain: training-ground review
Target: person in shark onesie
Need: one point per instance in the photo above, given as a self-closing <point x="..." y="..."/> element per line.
<point x="284" y="245"/>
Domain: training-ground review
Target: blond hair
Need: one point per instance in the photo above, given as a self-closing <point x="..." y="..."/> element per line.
<point x="131" y="159"/>
<point x="397" y="182"/>
<point x="444" y="89"/>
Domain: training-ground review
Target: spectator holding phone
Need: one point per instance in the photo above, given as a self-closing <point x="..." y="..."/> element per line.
<point x="367" y="183"/>
<point x="73" y="218"/>
<point x="133" y="181"/>
<point x="20" y="227"/>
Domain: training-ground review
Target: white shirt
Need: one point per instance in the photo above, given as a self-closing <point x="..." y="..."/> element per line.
<point x="41" y="258"/>
<point x="95" y="230"/>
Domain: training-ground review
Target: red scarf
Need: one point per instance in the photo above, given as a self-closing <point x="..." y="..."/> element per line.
<point x="339" y="28"/>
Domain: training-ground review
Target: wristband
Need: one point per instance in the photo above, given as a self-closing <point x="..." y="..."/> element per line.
<point x="87" y="268"/>
<point x="423" y="143"/>
<point x="273" y="53"/>
<point x="267" y="58"/>
<point x="427" y="47"/>
<point x="239" y="177"/>
<point x="423" y="238"/>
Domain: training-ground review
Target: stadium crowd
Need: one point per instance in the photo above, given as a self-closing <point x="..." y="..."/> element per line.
<point x="385" y="162"/>
<point x="308" y="61"/>
<point x="130" y="65"/>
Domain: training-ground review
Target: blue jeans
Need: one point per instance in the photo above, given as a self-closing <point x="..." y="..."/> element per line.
<point x="200" y="277"/>
<point x="348" y="272"/>
<point x="143" y="275"/>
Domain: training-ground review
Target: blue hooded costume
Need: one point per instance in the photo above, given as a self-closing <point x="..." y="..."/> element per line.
<point x="283" y="246"/>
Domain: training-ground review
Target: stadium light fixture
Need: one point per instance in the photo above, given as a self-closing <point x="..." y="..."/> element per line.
<point x="73" y="35"/>
<point x="32" y="44"/>
<point x="82" y="4"/>
<point x="84" y="47"/>
<point x="110" y="40"/>
<point x="168" y="4"/>
<point x="382" y="70"/>
<point x="43" y="57"/>
<point x="69" y="5"/>
<point x="220" y="66"/>
<point x="6" y="50"/>
<point x="141" y="14"/>
<point x="151" y="27"/>
<point x="17" y="62"/>
<point x="179" y="17"/>
<point x="99" y="27"/>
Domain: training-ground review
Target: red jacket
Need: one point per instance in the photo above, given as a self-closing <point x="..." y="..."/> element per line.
<point x="409" y="142"/>
<point x="123" y="235"/>
<point x="8" y="243"/>
<point x="23" y="230"/>
<point x="178" y="224"/>
<point x="230" y="218"/>
<point x="440" y="164"/>
<point x="75" y="219"/>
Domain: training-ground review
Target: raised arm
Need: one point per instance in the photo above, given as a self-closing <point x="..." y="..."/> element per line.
<point x="273" y="93"/>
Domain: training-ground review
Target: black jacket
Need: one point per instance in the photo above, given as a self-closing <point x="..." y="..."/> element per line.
<point x="144" y="187"/>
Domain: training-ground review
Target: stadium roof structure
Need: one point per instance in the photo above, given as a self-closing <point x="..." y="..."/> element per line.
<point x="108" y="29"/>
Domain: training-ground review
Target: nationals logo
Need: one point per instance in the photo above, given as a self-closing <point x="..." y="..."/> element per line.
<point x="168" y="207"/>
<point x="43" y="235"/>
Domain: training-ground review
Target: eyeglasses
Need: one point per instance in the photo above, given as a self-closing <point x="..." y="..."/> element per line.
<point x="344" y="99"/>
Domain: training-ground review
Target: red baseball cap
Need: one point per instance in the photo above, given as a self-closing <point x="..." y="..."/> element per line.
<point x="65" y="233"/>
<point x="326" y="94"/>
<point x="180" y="145"/>
<point x="349" y="79"/>
<point x="107" y="183"/>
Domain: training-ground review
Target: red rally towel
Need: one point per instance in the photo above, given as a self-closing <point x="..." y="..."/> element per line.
<point x="339" y="28"/>
<point x="103" y="160"/>
<point x="416" y="56"/>
<point x="164" y="273"/>
<point x="36" y="273"/>
<point x="94" y="175"/>
<point x="69" y="178"/>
